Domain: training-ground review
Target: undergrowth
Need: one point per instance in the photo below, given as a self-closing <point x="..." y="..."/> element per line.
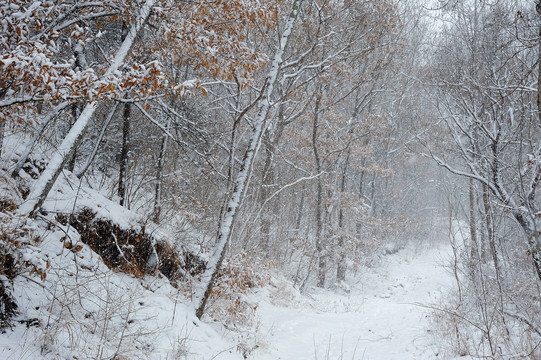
<point x="18" y="254"/>
<point x="229" y="297"/>
<point x="132" y="251"/>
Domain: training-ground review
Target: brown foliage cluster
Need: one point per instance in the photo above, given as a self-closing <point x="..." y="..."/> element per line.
<point x="129" y="250"/>
<point x="234" y="282"/>
<point x="175" y="266"/>
<point x="121" y="250"/>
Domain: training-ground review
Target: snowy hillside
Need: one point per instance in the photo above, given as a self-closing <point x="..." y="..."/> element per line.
<point x="80" y="308"/>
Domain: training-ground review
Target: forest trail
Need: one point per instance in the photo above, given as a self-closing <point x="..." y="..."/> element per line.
<point x="380" y="319"/>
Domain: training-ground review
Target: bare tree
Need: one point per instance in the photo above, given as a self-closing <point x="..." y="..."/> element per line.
<point x="245" y="172"/>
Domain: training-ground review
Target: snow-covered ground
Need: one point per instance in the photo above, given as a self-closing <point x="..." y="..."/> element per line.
<point x="383" y="317"/>
<point x="84" y="310"/>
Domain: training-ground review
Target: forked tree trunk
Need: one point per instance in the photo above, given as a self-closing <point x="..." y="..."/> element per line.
<point x="43" y="185"/>
<point x="227" y="221"/>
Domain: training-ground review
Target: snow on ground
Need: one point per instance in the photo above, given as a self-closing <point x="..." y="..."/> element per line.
<point x="379" y="319"/>
<point x="71" y="313"/>
<point x="87" y="310"/>
<point x="83" y="310"/>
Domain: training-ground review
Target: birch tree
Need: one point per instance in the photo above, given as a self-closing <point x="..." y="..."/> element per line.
<point x="259" y="125"/>
<point x="41" y="188"/>
<point x="208" y="37"/>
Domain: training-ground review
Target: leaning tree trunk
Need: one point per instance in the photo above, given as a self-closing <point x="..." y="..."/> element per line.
<point x="259" y="124"/>
<point x="43" y="185"/>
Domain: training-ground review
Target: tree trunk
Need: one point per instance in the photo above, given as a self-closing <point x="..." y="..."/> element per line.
<point x="124" y="153"/>
<point x="44" y="184"/>
<point x="341" y="268"/>
<point x="300" y="211"/>
<point x="226" y="223"/>
<point x="267" y="181"/>
<point x="373" y="195"/>
<point x="159" y="174"/>
<point x="266" y="184"/>
<point x="80" y="61"/>
<point x="75" y="115"/>
<point x="490" y="228"/>
<point x="319" y="201"/>
<point x="474" y="245"/>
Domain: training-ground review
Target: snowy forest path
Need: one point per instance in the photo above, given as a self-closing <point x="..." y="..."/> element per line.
<point x="382" y="318"/>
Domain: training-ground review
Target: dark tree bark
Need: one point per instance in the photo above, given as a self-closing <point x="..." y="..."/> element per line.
<point x="124" y="153"/>
<point x="341" y="267"/>
<point x="322" y="260"/>
<point x="159" y="175"/>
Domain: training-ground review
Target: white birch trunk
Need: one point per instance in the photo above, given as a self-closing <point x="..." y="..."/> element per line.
<point x="226" y="223"/>
<point x="43" y="185"/>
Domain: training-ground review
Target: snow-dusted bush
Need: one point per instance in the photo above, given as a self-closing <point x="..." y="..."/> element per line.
<point x="236" y="280"/>
<point x="494" y="312"/>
